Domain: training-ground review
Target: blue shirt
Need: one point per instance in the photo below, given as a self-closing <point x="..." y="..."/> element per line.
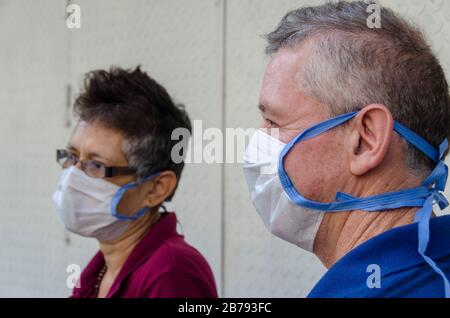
<point x="402" y="270"/>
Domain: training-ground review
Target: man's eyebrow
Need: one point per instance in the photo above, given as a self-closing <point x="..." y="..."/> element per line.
<point x="262" y="108"/>
<point x="266" y="109"/>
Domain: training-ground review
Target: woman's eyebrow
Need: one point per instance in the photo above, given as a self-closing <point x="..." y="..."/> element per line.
<point x="71" y="148"/>
<point x="91" y="154"/>
<point x="96" y="155"/>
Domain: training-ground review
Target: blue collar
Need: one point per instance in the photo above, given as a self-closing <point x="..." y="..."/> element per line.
<point x="394" y="251"/>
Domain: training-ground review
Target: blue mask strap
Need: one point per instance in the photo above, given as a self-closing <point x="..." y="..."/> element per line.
<point x="417" y="141"/>
<point x="423" y="217"/>
<point x="344" y="202"/>
<point x="438" y="178"/>
<point x="120" y="193"/>
<point x="423" y="196"/>
<point x="322" y="127"/>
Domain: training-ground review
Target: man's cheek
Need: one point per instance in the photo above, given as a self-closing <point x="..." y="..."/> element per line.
<point x="302" y="167"/>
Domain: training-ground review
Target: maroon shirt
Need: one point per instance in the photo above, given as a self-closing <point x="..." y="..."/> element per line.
<point x="161" y="265"/>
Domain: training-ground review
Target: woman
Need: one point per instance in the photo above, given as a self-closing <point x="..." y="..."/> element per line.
<point x="117" y="173"/>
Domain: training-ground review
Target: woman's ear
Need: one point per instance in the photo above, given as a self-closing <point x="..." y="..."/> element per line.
<point x="371" y="138"/>
<point x="160" y="188"/>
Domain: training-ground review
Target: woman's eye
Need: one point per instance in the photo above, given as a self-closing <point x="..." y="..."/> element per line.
<point x="97" y="165"/>
<point x="71" y="156"/>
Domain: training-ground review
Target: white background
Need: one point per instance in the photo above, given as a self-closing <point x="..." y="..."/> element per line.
<point x="209" y="55"/>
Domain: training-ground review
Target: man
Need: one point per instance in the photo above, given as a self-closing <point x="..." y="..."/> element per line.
<point x="357" y="121"/>
<point x="117" y="174"/>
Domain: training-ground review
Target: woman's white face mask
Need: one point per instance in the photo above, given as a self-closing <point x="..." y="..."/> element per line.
<point x="88" y="206"/>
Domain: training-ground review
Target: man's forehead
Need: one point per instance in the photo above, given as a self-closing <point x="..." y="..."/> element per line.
<point x="283" y="64"/>
<point x="281" y="80"/>
<point x="288" y="61"/>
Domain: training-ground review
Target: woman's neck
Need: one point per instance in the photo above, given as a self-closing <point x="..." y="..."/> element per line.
<point x="116" y="252"/>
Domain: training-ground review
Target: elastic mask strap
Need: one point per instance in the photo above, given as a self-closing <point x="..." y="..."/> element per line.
<point x="120" y="193"/>
<point x="417" y="141"/>
<point x="423" y="217"/>
<point x="439" y="176"/>
<point x="437" y="179"/>
<point x="305" y="135"/>
<point x="423" y="196"/>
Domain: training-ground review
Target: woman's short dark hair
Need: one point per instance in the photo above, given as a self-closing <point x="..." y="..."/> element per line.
<point x="134" y="104"/>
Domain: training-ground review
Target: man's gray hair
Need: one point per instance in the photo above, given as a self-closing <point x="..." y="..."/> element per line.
<point x="354" y="66"/>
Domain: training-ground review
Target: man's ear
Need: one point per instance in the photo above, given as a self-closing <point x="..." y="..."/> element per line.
<point x="160" y="188"/>
<point x="371" y="138"/>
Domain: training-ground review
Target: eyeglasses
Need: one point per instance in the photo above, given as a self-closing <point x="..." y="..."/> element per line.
<point x="91" y="167"/>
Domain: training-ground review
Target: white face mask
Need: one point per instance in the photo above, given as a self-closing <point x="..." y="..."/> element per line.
<point x="282" y="217"/>
<point x="84" y="205"/>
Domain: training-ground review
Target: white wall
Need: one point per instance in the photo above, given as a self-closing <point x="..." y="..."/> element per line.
<point x="209" y="55"/>
<point x="33" y="69"/>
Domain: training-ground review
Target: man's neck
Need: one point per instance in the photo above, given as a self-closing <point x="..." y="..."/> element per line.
<point x="340" y="232"/>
